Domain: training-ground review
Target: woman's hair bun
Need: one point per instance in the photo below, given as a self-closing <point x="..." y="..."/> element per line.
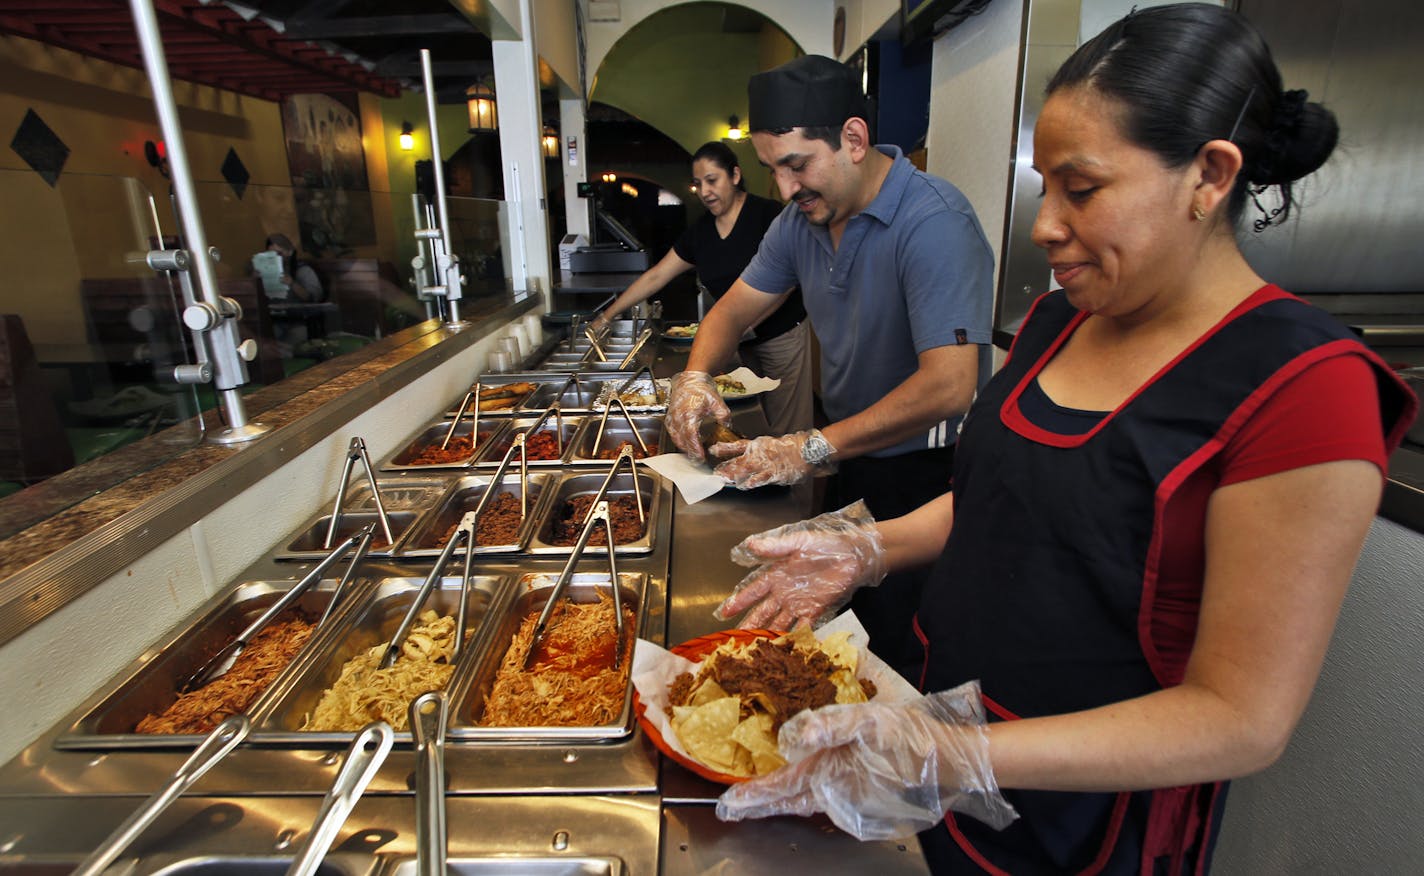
<point x="1301" y="137"/>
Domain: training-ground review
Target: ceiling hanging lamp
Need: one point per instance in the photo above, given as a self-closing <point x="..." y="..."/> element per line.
<point x="479" y="100"/>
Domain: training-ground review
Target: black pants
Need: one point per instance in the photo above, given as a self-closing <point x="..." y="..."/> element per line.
<point x="893" y="486"/>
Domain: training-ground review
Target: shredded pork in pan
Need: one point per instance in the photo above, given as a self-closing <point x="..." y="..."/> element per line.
<point x="365" y="692"/>
<point x="573" y="682"/>
<point x="269" y="652"/>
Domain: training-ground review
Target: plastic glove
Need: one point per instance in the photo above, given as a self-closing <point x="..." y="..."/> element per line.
<point x="805" y="571"/>
<point x="692" y="398"/>
<point x="770" y="459"/>
<point x="881" y="771"/>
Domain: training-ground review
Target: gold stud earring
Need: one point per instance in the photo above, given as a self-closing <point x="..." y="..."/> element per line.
<point x="1198" y="213"/>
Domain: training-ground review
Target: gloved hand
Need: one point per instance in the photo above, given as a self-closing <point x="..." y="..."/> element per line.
<point x="770" y="459"/>
<point x="805" y="571"/>
<point x="881" y="771"/>
<point x="692" y="398"/>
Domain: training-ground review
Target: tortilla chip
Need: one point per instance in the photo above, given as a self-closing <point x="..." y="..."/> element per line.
<point x="838" y="647"/>
<point x="706" y="692"/>
<point x="848" y="689"/>
<point x="707" y="733"/>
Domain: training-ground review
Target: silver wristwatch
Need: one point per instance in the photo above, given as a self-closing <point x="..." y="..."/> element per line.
<point x="816" y="450"/>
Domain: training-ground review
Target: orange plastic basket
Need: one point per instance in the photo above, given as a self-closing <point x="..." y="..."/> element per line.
<point x="695" y="650"/>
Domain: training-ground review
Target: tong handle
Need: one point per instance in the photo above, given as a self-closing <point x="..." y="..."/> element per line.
<point x="427" y="728"/>
<point x="473" y="394"/>
<point x="223" y="739"/>
<point x="598" y="511"/>
<point x="356" y="450"/>
<point x="365" y="756"/>
<point x="209" y="670"/>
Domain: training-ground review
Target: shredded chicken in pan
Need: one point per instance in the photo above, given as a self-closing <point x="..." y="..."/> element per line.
<point x="573" y="682"/>
<point x="258" y="664"/>
<point x="365" y="692"/>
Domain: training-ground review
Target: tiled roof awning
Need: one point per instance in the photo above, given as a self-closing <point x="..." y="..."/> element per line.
<point x="210" y="44"/>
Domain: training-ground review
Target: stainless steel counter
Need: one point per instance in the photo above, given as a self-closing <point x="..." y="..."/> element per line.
<point x="613" y="807"/>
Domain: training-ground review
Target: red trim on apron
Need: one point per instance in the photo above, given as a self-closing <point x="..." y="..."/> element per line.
<point x="924" y="648"/>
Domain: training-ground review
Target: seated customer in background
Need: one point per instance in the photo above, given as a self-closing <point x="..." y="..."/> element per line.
<point x="297" y="280"/>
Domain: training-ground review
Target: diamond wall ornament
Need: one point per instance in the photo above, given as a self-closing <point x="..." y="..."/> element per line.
<point x="40" y="147"/>
<point x="235" y="172"/>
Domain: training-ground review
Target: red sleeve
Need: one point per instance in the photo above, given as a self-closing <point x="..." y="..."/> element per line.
<point x="1330" y="411"/>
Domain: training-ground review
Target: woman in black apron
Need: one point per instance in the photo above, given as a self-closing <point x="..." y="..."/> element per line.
<point x="1157" y="506"/>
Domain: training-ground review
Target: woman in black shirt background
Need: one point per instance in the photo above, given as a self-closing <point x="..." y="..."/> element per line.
<point x="719" y="244"/>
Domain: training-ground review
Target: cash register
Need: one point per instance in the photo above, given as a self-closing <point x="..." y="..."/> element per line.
<point x="622" y="254"/>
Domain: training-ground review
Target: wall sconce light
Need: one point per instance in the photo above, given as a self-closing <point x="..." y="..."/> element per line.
<point x="550" y="142"/>
<point x="157" y="155"/>
<point x="629" y="190"/>
<point x="734" y="128"/>
<point x="610" y="177"/>
<point x="407" y="137"/>
<point x="479" y="100"/>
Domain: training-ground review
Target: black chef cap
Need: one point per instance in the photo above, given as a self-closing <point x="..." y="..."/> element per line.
<point x="809" y="91"/>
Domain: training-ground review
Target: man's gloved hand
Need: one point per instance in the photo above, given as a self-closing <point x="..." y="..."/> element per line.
<point x="770" y="459"/>
<point x="881" y="771"/>
<point x="692" y="398"/>
<point x="805" y="571"/>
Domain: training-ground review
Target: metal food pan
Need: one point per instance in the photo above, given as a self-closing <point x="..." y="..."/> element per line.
<point x="397" y="494"/>
<point x="573" y="485"/>
<point x="153" y="686"/>
<point x="495" y="449"/>
<point x="428" y="537"/>
<point x="434" y="434"/>
<point x="474" y="681"/>
<point x="309" y="543"/>
<point x="370" y="624"/>
<point x="575" y="362"/>
<point x="615" y="432"/>
<point x="494" y="381"/>
<point x="575" y="394"/>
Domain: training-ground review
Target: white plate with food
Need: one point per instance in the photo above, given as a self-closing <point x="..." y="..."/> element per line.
<point x="681" y="334"/>
<point x="742" y="384"/>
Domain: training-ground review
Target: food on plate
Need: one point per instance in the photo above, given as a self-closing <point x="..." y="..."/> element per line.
<point x="497" y="524"/>
<point x="499" y="398"/>
<point x="682" y="331"/>
<point x="728" y="386"/>
<point x="541" y="445"/>
<point x="365" y="692"/>
<point x="728" y="713"/>
<point x="256" y="666"/>
<point x="572" y="681"/>
<point x="622" y="512"/>
<point x="459" y="449"/>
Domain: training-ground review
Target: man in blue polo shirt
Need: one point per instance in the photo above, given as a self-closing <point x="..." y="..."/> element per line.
<point x="897" y="280"/>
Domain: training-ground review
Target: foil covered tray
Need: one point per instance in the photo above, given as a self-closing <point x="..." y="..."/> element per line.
<point x="558" y="510"/>
<point x="433" y="531"/>
<point x="372" y="623"/>
<point x="474" y="682"/>
<point x="151" y="685"/>
<point x="429" y="439"/>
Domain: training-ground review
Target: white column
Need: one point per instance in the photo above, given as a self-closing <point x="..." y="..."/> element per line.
<point x="573" y="155"/>
<point x="520" y="130"/>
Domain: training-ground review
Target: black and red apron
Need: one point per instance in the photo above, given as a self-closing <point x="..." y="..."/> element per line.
<point x="1045" y="590"/>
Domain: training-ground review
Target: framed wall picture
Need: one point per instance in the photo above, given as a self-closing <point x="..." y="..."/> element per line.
<point x="328" y="168"/>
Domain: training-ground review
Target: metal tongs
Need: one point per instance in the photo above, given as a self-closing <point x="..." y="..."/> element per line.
<point x="427" y="729"/>
<point x="365" y="756"/>
<point x="603" y="422"/>
<point x="595" y="346"/>
<point x="557" y="410"/>
<point x="598" y="511"/>
<point x="356" y="450"/>
<point x="223" y="660"/>
<point x="472" y="395"/>
<point x="658" y="397"/>
<point x="223" y="739"/>
<point x="643" y="338"/>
